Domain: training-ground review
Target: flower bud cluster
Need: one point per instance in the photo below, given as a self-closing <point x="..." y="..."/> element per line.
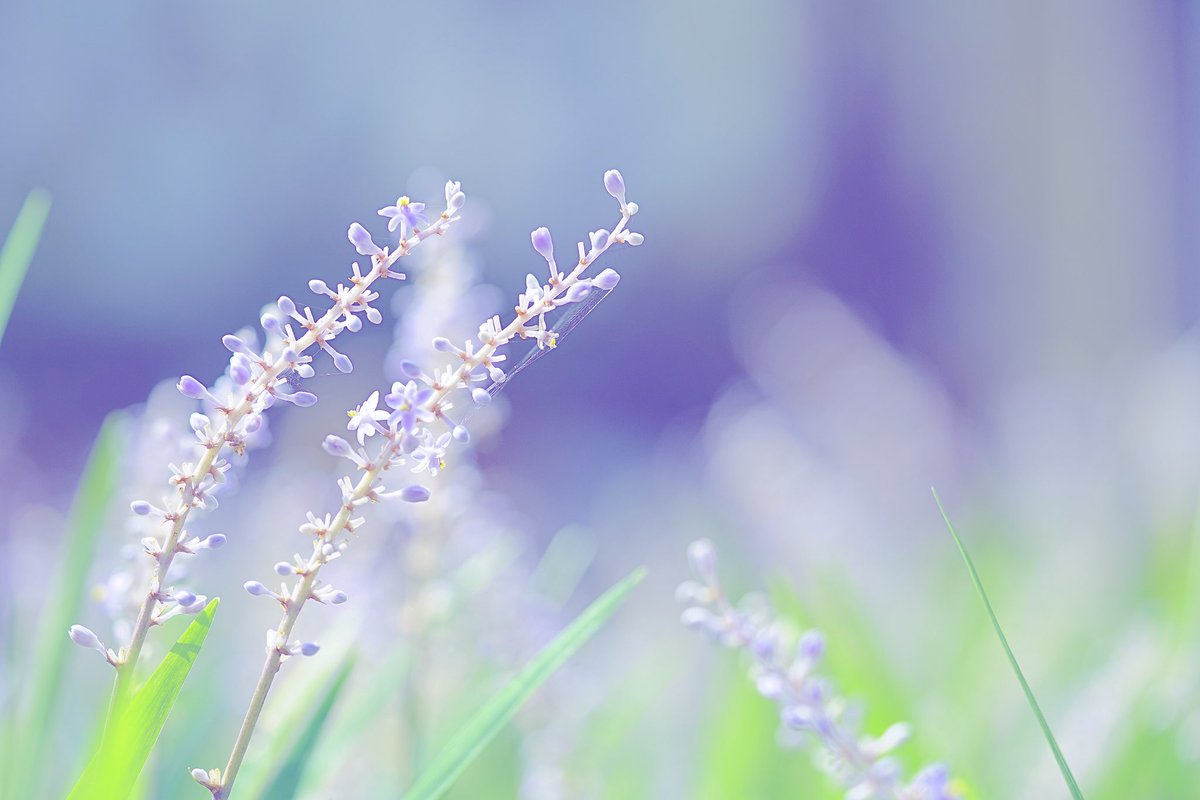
<point x="785" y="672"/>
<point x="402" y="435"/>
<point x="253" y="382"/>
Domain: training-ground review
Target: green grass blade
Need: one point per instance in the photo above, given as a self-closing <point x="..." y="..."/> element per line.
<point x="1012" y="659"/>
<point x="18" y="250"/>
<point x="470" y="740"/>
<point x="114" y="769"/>
<point x="287" y="779"/>
<point x="45" y="672"/>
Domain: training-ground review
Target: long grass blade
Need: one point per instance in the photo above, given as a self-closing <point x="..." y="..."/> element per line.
<point x="18" y="250"/>
<point x="471" y="739"/>
<point x="287" y="778"/>
<point x="1072" y="785"/>
<point x="114" y="769"/>
<point x="45" y="671"/>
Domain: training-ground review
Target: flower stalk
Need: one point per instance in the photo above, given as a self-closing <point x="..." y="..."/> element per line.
<point x="259" y="381"/>
<point x="407" y="440"/>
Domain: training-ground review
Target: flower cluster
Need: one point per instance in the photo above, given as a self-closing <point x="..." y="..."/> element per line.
<point x="405" y="436"/>
<point x="785" y="672"/>
<point x="254" y="381"/>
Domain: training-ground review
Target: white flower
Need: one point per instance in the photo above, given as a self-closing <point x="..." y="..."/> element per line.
<point x="365" y="419"/>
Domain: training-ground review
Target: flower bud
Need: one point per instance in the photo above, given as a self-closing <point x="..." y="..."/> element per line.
<point x="607" y="279"/>
<point x="615" y="184"/>
<point x="284" y="568"/>
<point x="362" y="241"/>
<point x="543" y="243"/>
<point x="317" y="286"/>
<point x="286" y="305"/>
<point x="309" y="648"/>
<point x="214" y="541"/>
<point x="343" y="363"/>
<point x="336" y="446"/>
<point x="255" y="588"/>
<point x="190" y="387"/>
<point x="578" y="291"/>
<point x="481" y="396"/>
<point x="461" y="434"/>
<point x="140" y="507"/>
<point x="634" y="238"/>
<point x="85" y="638"/>
<point x="414" y="494"/>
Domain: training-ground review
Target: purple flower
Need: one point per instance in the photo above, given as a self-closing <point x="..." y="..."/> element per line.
<point x="408" y="400"/>
<point x="406" y="211"/>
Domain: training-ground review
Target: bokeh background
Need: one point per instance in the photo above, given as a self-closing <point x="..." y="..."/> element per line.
<point x="888" y="246"/>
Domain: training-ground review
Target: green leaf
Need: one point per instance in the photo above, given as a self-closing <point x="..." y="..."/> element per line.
<point x="115" y="767"/>
<point x="287" y="779"/>
<point x="27" y="740"/>
<point x="1012" y="659"/>
<point x="471" y="739"/>
<point x="18" y="250"/>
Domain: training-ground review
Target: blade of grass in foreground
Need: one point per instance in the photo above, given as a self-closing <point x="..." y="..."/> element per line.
<point x="115" y="767"/>
<point x="470" y="740"/>
<point x="1012" y="659"/>
<point x="287" y="779"/>
<point x="18" y="250"/>
<point x="45" y="672"/>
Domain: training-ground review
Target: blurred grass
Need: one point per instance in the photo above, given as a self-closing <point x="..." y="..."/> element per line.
<point x="491" y="718"/>
<point x="18" y="249"/>
<point x="26" y="735"/>
<point x="291" y="771"/>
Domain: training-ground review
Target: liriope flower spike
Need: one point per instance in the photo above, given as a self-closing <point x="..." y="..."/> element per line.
<point x="786" y="673"/>
<point x="254" y="382"/>
<point x="400" y="433"/>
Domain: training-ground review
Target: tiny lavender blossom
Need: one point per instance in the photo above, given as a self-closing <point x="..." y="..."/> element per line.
<point x="788" y="676"/>
<point x="404" y="439"/>
<point x="253" y="383"/>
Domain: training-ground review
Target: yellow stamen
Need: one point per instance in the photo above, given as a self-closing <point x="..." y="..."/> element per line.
<point x="403" y="201"/>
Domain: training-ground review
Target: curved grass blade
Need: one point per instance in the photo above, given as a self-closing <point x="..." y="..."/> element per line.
<point x="30" y="729"/>
<point x="18" y="250"/>
<point x="287" y="779"/>
<point x="1012" y="659"/>
<point x="471" y="739"/>
<point x="114" y="769"/>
